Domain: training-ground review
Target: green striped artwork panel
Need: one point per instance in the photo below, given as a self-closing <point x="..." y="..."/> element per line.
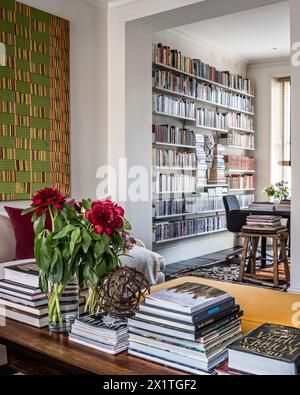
<point x="22" y="154"/>
<point x="22" y="42"/>
<point x="23" y="20"/>
<point x="7" y="72"/>
<point x="23" y="64"/>
<point x="7" y="26"/>
<point x="7" y="96"/>
<point x="23" y="132"/>
<point x="7" y="142"/>
<point x="8" y="5"/>
<point x="34" y="117"/>
<point x="8" y="119"/>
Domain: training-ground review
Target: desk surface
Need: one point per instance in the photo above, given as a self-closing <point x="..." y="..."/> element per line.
<point x="259" y="305"/>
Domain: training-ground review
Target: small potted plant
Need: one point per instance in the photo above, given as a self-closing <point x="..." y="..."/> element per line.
<point x="278" y="192"/>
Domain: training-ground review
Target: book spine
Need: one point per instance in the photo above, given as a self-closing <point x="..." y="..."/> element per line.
<point x="220" y="319"/>
<point x="213" y="311"/>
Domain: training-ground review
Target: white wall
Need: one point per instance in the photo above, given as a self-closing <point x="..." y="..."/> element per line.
<point x="88" y="90"/>
<point x="264" y="74"/>
<point x="295" y="83"/>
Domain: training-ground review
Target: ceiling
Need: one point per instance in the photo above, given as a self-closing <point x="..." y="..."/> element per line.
<point x="253" y="35"/>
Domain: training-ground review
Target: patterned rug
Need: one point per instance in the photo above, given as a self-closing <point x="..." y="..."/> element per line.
<point x="230" y="273"/>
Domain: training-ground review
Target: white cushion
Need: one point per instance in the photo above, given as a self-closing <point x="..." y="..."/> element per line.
<point x="7" y="240"/>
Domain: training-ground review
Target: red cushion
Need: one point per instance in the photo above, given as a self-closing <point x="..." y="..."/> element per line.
<point x="24" y="234"/>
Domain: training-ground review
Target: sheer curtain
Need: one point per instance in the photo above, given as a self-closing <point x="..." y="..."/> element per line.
<point x="284" y="155"/>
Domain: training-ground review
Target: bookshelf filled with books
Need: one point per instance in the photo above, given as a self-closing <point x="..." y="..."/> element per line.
<point x="203" y="145"/>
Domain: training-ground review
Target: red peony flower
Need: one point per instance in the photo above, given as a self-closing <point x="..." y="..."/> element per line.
<point x="106" y="217"/>
<point x="46" y="197"/>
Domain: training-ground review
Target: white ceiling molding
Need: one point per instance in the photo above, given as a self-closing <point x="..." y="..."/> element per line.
<point x="98" y="3"/>
<point x="195" y="40"/>
<point x="112" y="3"/>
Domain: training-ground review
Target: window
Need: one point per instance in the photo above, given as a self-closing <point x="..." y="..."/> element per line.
<point x="284" y="143"/>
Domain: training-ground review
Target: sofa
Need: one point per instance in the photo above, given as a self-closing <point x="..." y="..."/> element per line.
<point x="149" y="263"/>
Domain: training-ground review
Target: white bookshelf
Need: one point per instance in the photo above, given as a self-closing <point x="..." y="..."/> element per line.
<point x="191" y="123"/>
<point x="190" y="236"/>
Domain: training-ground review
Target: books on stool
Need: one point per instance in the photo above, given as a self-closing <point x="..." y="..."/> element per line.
<point x="187" y="327"/>
<point x="263" y="224"/>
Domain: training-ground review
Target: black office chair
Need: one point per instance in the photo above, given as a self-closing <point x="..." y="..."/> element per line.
<point x="235" y="218"/>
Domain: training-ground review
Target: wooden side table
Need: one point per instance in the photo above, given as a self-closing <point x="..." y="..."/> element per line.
<point x="280" y="237"/>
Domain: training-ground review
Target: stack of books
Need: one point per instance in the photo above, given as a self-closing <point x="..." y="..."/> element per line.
<point x="263" y="224"/>
<point x="262" y="206"/>
<point x="217" y="172"/>
<point x="22" y="300"/>
<point x="268" y="350"/>
<point x="187" y="327"/>
<point x="201" y="161"/>
<point x="101" y="332"/>
<point x="3" y="355"/>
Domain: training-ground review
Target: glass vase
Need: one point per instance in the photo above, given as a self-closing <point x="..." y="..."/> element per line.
<point x="63" y="306"/>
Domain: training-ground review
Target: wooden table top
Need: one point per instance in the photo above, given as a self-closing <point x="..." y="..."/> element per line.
<point x="260" y="306"/>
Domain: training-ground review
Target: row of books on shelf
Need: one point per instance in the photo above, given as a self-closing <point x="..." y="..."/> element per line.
<point x="173" y="158"/>
<point x="173" y="135"/>
<point x="22" y="300"/>
<point x="234" y="162"/>
<point x="183" y="85"/>
<point x="241" y="181"/>
<point x="165" y="231"/>
<point x="168" y="183"/>
<point x="204" y="117"/>
<point x="171" y="106"/>
<point x="163" y="54"/>
<point x="217" y="171"/>
<point x="196" y="205"/>
<point x="243" y="140"/>
<point x="189" y="205"/>
<point x="212" y="119"/>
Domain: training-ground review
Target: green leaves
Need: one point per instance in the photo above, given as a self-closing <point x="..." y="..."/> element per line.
<point x="86" y="240"/>
<point x="39" y="224"/>
<point x="87" y="204"/>
<point x="64" y="232"/>
<point x="75" y="238"/>
<point x="28" y="210"/>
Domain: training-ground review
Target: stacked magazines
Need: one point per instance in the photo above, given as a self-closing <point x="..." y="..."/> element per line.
<point x="22" y="300"/>
<point x="101" y="332"/>
<point x="187" y="327"/>
<point x="263" y="224"/>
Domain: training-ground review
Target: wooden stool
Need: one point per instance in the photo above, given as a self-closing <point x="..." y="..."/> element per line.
<point x="281" y="236"/>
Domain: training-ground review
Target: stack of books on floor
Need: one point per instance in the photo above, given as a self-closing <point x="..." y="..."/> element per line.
<point x="22" y="300"/>
<point x="263" y="224"/>
<point x="3" y="355"/>
<point x="101" y="332"/>
<point x="268" y="350"/>
<point x="187" y="327"/>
